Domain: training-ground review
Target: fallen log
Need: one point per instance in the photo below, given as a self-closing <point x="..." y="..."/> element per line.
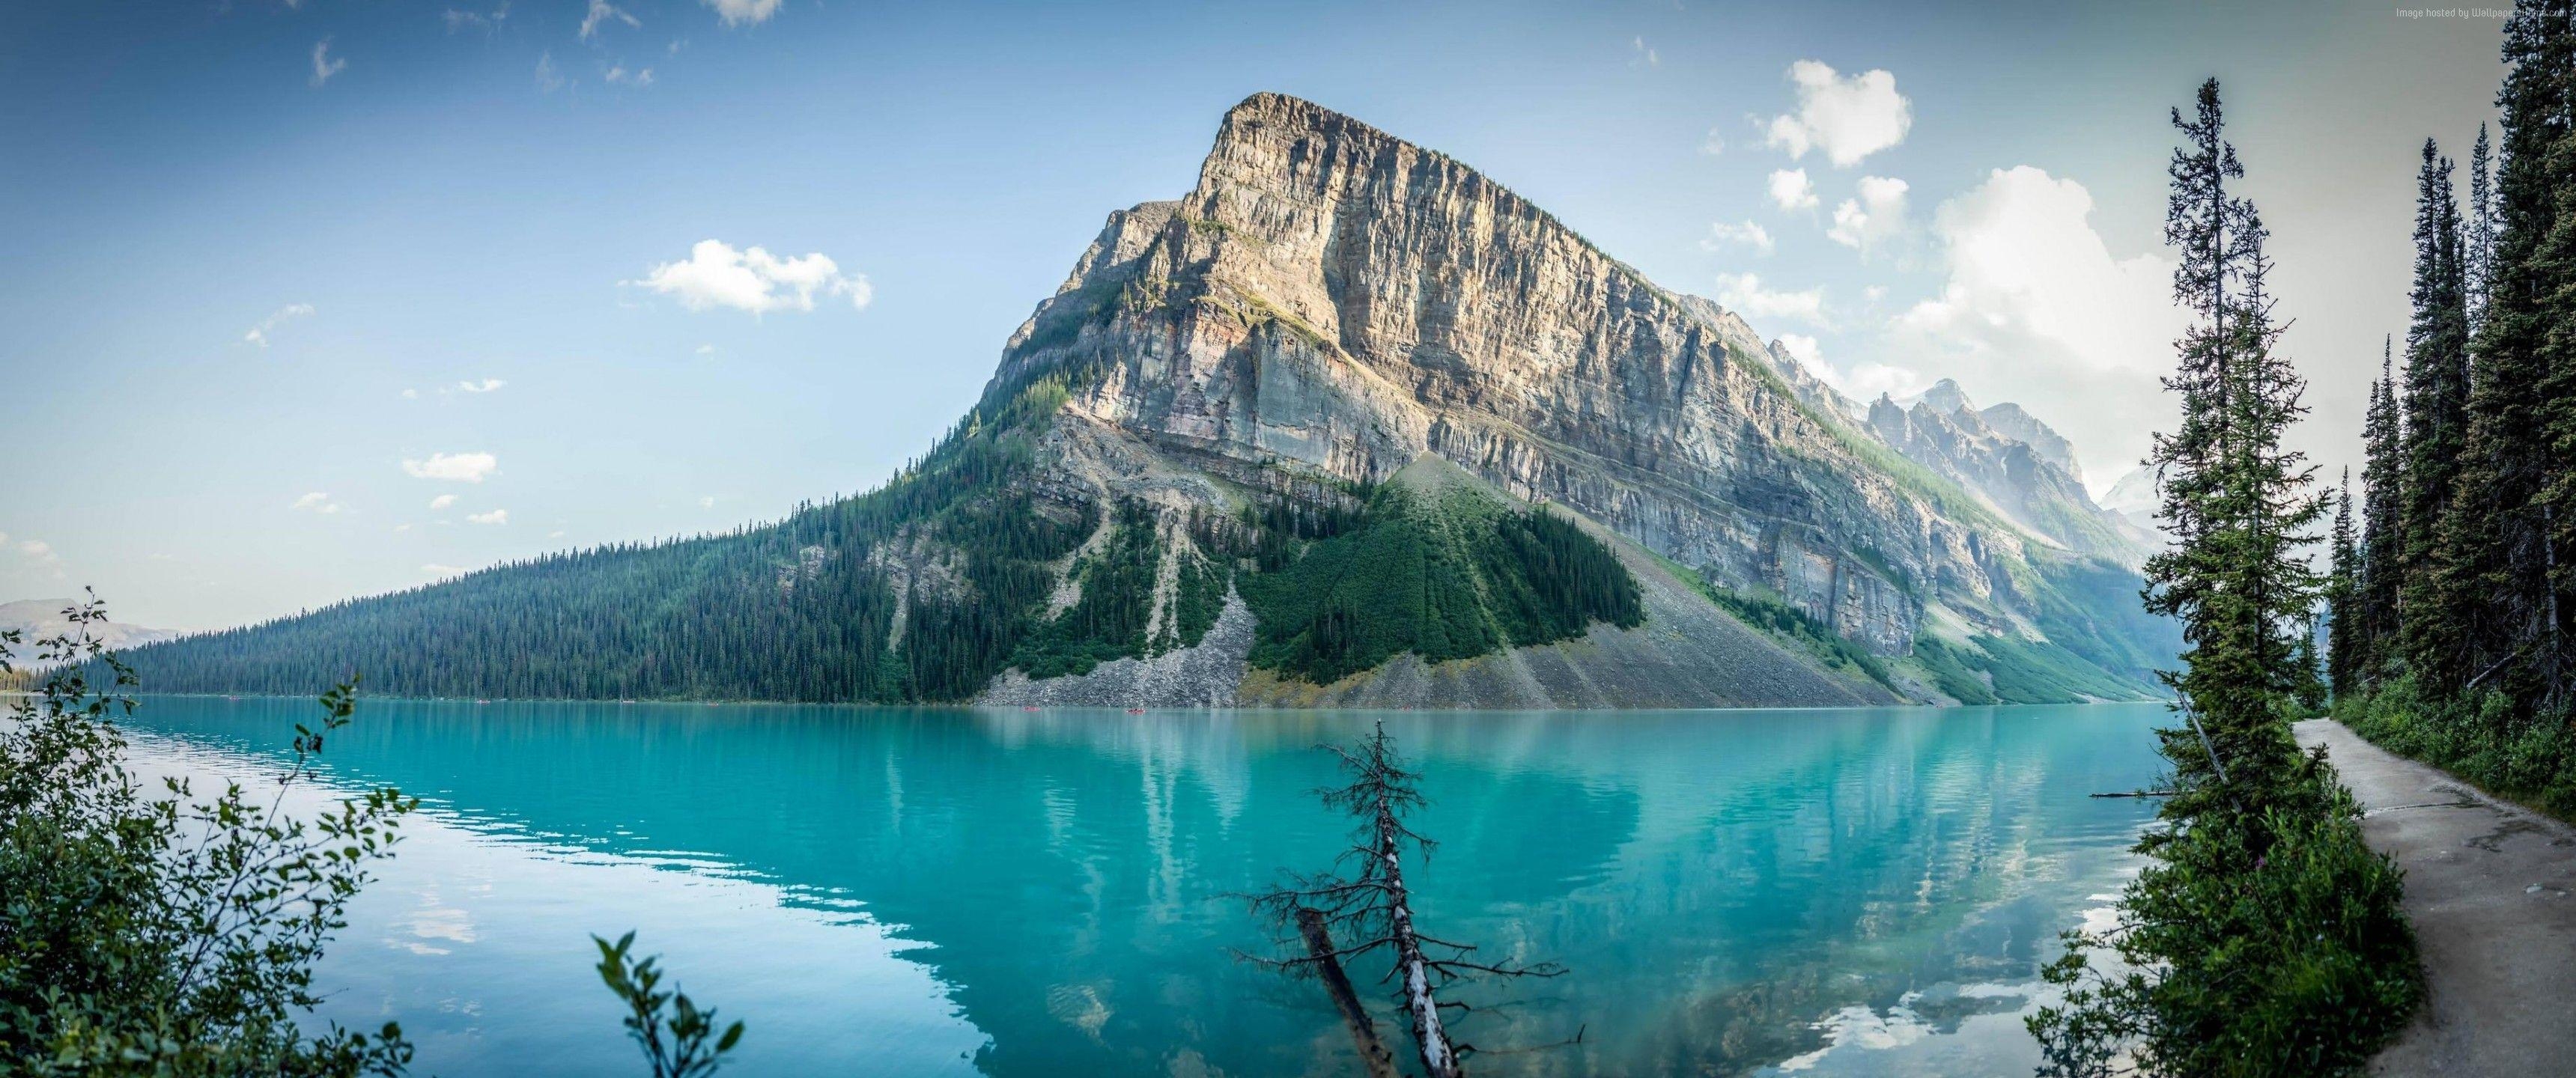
<point x="1376" y="1061"/>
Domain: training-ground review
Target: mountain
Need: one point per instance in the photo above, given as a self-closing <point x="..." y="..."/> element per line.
<point x="2134" y="497"/>
<point x="1348" y="423"/>
<point x="38" y="619"/>
<point x="2026" y="474"/>
<point x="2011" y="422"/>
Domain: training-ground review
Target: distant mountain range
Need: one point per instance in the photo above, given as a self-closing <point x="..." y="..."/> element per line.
<point x="39" y="619"/>
<point x="1349" y="423"/>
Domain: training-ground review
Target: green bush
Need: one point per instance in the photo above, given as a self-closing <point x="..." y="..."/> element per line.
<point x="166" y="936"/>
<point x="2267" y="943"/>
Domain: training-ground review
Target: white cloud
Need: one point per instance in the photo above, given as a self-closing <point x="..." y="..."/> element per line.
<point x="1722" y="234"/>
<point x="441" y="502"/>
<point x="556" y="534"/>
<point x="497" y="516"/>
<point x="737" y="12"/>
<point x="717" y="275"/>
<point x="1642" y="54"/>
<point x="706" y="349"/>
<point x="1714" y="144"/>
<point x="1874" y="293"/>
<point x="1847" y="118"/>
<point x="317" y="502"/>
<point x="1875" y="217"/>
<point x="2037" y="310"/>
<point x="1791" y="190"/>
<point x="411" y="394"/>
<point x="453" y="467"/>
<point x="1865" y="382"/>
<point x="485" y="386"/>
<point x="459" y="20"/>
<point x="618" y="75"/>
<point x="37" y="549"/>
<point x="1805" y="350"/>
<point x="1743" y="293"/>
<point x="549" y="80"/>
<point x="258" y="334"/>
<point x="600" y="12"/>
<point x="324" y="64"/>
<point x="435" y="569"/>
<point x="708" y="502"/>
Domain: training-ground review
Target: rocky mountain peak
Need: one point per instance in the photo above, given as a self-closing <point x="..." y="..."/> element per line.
<point x="1946" y="397"/>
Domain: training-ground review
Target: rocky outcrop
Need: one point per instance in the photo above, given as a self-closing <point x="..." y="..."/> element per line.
<point x="1206" y="674"/>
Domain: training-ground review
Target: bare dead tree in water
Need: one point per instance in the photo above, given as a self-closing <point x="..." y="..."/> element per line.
<point x="1362" y="910"/>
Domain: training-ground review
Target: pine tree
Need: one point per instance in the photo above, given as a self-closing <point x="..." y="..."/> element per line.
<point x="2382" y="559"/>
<point x="2496" y="563"/>
<point x="2237" y="497"/>
<point x="2436" y="404"/>
<point x="2343" y="629"/>
<point x="2481" y="229"/>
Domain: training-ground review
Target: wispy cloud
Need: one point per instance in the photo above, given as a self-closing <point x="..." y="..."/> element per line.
<point x="1643" y="55"/>
<point x="441" y="502"/>
<point x="619" y="76"/>
<point x="484" y="386"/>
<point x="435" y="569"/>
<point x="549" y="80"/>
<point x="497" y="516"/>
<point x="717" y="275"/>
<point x="1722" y="235"/>
<point x="453" y="467"/>
<point x="325" y="65"/>
<point x="316" y="502"/>
<point x="473" y="20"/>
<point x="601" y="12"/>
<point x="1745" y="294"/>
<point x="259" y="334"/>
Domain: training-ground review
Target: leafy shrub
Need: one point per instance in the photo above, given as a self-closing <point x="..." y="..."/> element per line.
<point x="169" y="936"/>
<point x="2267" y="943"/>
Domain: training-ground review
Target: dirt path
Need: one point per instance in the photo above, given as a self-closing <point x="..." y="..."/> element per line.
<point x="2488" y="886"/>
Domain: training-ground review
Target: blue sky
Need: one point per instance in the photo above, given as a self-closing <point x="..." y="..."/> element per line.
<point x="408" y="198"/>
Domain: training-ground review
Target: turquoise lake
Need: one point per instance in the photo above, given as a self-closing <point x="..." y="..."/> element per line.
<point x="934" y="892"/>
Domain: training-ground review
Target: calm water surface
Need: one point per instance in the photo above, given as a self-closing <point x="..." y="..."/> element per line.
<point x="932" y="892"/>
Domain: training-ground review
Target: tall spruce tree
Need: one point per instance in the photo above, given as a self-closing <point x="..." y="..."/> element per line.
<point x="2437" y="404"/>
<point x="2382" y="559"/>
<point x="2496" y="563"/>
<point x="2343" y="585"/>
<point x="2237" y="497"/>
<point x="2481" y="228"/>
